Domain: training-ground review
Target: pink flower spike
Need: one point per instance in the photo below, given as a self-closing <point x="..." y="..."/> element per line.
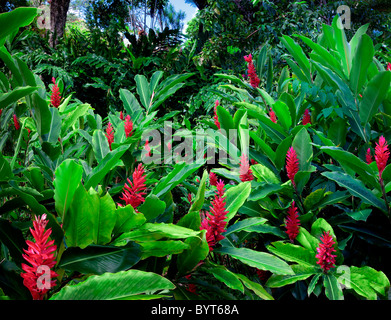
<point x="121" y="115"/>
<point x="292" y="164"/>
<point x="368" y="157"/>
<point x="306" y="117"/>
<point x="39" y="254"/>
<point x="55" y="98"/>
<point x="109" y="134"/>
<point x="212" y="179"/>
<point x="273" y="116"/>
<point x="133" y="192"/>
<point x="245" y="172"/>
<point x="292" y="222"/>
<point x="16" y="122"/>
<point x="216" y="118"/>
<point x="128" y="126"/>
<point x="381" y="154"/>
<point x="325" y="256"/>
<point x="252" y="74"/>
<point x="389" y="66"/>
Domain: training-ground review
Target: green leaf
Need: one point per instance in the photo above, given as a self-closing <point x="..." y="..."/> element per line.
<point x="227" y="277"/>
<point x="152" y="207"/>
<point x="373" y="95"/>
<point x="293" y="253"/>
<point x="131" y="105"/>
<point x="98" y="259"/>
<point x="235" y="197"/>
<point x="362" y="58"/>
<point x="68" y="178"/>
<point x="313" y="283"/>
<point x="100" y="145"/>
<point x="307" y="240"/>
<point x="263" y="146"/>
<point x="143" y="91"/>
<point x="127" y="219"/>
<point x="69" y="119"/>
<point x="302" y="145"/>
<point x="283" y="114"/>
<point x="162" y="248"/>
<point x="255" y="287"/>
<point x="115" y="286"/>
<point x="13" y="96"/>
<point x="55" y="127"/>
<point x="200" y="196"/>
<point x="300" y="273"/>
<point x="256" y="259"/>
<point x="332" y="287"/>
<point x="5" y="169"/>
<point x="225" y="119"/>
<point x="13" y="239"/>
<point x="105" y="219"/>
<point x="342" y="45"/>
<point x="244" y="224"/>
<point x="356" y="188"/>
<point x="264" y="174"/>
<point x="368" y="282"/>
<point x="264" y="190"/>
<point x="17" y="18"/>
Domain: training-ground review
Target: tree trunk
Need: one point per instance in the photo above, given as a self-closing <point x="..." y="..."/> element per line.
<point x="58" y="17"/>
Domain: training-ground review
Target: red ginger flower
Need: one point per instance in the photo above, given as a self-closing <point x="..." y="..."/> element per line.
<point x="326" y="259"/>
<point x="292" y="164"/>
<point x="292" y="222"/>
<point x="254" y="80"/>
<point x="40" y="254"/>
<point x="55" y="97"/>
<point x="110" y="134"/>
<point x="148" y="148"/>
<point x="189" y="198"/>
<point x="16" y="122"/>
<point x="121" y="115"/>
<point x="212" y="179"/>
<point x="253" y="161"/>
<point x="191" y="286"/>
<point x="216" y="118"/>
<point x="245" y="172"/>
<point x="128" y="126"/>
<point x="133" y="192"/>
<point x="273" y="116"/>
<point x="1" y="111"/>
<point x="389" y="67"/>
<point x="368" y="157"/>
<point x="381" y="154"/>
<point x="214" y="223"/>
<point x="306" y="117"/>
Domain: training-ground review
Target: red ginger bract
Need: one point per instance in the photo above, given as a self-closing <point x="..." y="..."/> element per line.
<point x="214" y="223"/>
<point x="325" y="256"/>
<point x="245" y="172"/>
<point x="128" y="126"/>
<point x="368" y="157"/>
<point x="109" y="134"/>
<point x="212" y="179"/>
<point x="306" y="117"/>
<point x="292" y="164"/>
<point x="273" y="116"/>
<point x="40" y="254"/>
<point x="55" y="97"/>
<point x="16" y="122"/>
<point x="133" y="192"/>
<point x="252" y="74"/>
<point x="216" y="118"/>
<point x="292" y="222"/>
<point x="381" y="154"/>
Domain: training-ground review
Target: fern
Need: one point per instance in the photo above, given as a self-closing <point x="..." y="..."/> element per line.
<point x="54" y="71"/>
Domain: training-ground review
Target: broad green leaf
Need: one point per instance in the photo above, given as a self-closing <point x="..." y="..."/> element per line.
<point x="263" y="190"/>
<point x="5" y="169"/>
<point x="162" y="248"/>
<point x="157" y="75"/>
<point x="13" y="96"/>
<point x="313" y="283"/>
<point x="13" y="239"/>
<point x="362" y="58"/>
<point x="227" y="277"/>
<point x="356" y="188"/>
<point x="263" y="146"/>
<point x="264" y="174"/>
<point x="152" y="207"/>
<point x="131" y="105"/>
<point x="225" y="119"/>
<point x="293" y="253"/>
<point x="260" y="260"/>
<point x="191" y="220"/>
<point x="373" y="95"/>
<point x="342" y="45"/>
<point x="302" y="145"/>
<point x="115" y="286"/>
<point x="105" y="219"/>
<point x="307" y="240"/>
<point x="98" y="259"/>
<point x="127" y="219"/>
<point x="69" y="119"/>
<point x="376" y="281"/>
<point x="255" y="287"/>
<point x="244" y="224"/>
<point x="17" y="18"/>
<point x="332" y="287"/>
<point x="235" y="197"/>
<point x="68" y="178"/>
<point x="143" y="91"/>
<point x="100" y="145"/>
<point x="55" y="127"/>
<point x="300" y="273"/>
<point x="198" y="201"/>
<point x="283" y="114"/>
<point x="313" y="199"/>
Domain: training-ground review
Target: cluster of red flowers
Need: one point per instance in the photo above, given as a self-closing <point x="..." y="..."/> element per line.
<point x="254" y="80"/>
<point x="292" y="164"/>
<point x="292" y="222"/>
<point x="212" y="179"/>
<point x="381" y="155"/>
<point x="16" y="122"/>
<point x="306" y="117"/>
<point x="245" y="172"/>
<point x="216" y="118"/>
<point x="40" y="255"/>
<point x="110" y="134"/>
<point x="55" y="97"/>
<point x="133" y="192"/>
<point x="214" y="223"/>
<point x="273" y="116"/>
<point x="325" y="256"/>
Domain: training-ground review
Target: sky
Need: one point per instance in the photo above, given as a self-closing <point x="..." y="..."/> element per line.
<point x="187" y="8"/>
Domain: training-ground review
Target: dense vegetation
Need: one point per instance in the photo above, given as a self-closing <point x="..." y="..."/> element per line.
<point x="247" y="159"/>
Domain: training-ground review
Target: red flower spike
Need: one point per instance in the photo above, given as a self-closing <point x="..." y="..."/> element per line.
<point x="16" y="122"/>
<point x="212" y="179"/>
<point x="191" y="286"/>
<point x="325" y="256"/>
<point x="148" y="148"/>
<point x="368" y="157"/>
<point x="121" y="115"/>
<point x="381" y="154"/>
<point x="216" y="118"/>
<point x="292" y="222"/>
<point x="1" y="111"/>
<point x="133" y="192"/>
<point x="253" y="161"/>
<point x="109" y="134"/>
<point x="245" y="172"/>
<point x="389" y="67"/>
<point x="306" y="117"/>
<point x="40" y="254"/>
<point x="292" y="164"/>
<point x="252" y="74"/>
<point x="189" y="197"/>
<point x="55" y="97"/>
<point x="273" y="116"/>
<point x="128" y="126"/>
<point x="214" y="223"/>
